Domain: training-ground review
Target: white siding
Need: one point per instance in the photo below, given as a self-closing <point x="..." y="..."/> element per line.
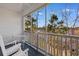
<point x="10" y="23"/>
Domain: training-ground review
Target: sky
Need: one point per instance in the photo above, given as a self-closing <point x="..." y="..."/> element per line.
<point x="58" y="9"/>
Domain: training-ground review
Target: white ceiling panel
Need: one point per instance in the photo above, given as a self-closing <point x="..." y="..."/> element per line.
<point x="23" y="8"/>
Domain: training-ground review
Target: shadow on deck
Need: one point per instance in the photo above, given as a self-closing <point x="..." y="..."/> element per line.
<point x="32" y="51"/>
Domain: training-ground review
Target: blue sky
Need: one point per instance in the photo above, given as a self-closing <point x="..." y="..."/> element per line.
<point x="57" y="9"/>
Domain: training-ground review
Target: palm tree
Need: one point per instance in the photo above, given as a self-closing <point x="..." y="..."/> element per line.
<point x="53" y="18"/>
<point x="53" y="23"/>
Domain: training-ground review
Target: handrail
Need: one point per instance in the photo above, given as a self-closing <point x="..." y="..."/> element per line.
<point x="65" y="35"/>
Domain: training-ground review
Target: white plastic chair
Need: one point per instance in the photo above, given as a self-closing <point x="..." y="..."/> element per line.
<point x="16" y="48"/>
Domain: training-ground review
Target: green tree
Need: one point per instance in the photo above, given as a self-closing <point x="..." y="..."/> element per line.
<point x="56" y="26"/>
<point x="49" y="28"/>
<point x="52" y="26"/>
<point x="62" y="29"/>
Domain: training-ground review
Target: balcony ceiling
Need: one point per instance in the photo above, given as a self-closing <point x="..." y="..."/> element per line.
<point x="21" y="7"/>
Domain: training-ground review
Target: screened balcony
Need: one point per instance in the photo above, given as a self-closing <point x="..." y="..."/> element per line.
<point x="39" y="29"/>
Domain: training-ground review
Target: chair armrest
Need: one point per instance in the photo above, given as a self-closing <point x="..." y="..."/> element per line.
<point x="21" y="53"/>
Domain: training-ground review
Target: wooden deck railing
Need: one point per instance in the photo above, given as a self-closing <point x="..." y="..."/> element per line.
<point x="56" y="44"/>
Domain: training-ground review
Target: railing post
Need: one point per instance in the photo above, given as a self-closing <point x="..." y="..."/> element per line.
<point x="57" y="45"/>
<point x="46" y="35"/>
<point x="37" y="41"/>
<point x="51" y="44"/>
<point x="65" y="46"/>
<point x="77" y="47"/>
<point x="71" y="47"/>
<point x="61" y="45"/>
<point x="54" y="45"/>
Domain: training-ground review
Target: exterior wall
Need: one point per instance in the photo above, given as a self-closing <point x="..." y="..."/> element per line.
<point x="74" y="31"/>
<point x="10" y="23"/>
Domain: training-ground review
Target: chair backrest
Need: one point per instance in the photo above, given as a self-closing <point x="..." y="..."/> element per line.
<point x="2" y="46"/>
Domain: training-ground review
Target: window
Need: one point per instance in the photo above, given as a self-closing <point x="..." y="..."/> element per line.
<point x="63" y="14"/>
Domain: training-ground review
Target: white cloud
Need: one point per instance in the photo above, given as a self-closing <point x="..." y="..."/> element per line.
<point x="66" y="10"/>
<point x="40" y="13"/>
